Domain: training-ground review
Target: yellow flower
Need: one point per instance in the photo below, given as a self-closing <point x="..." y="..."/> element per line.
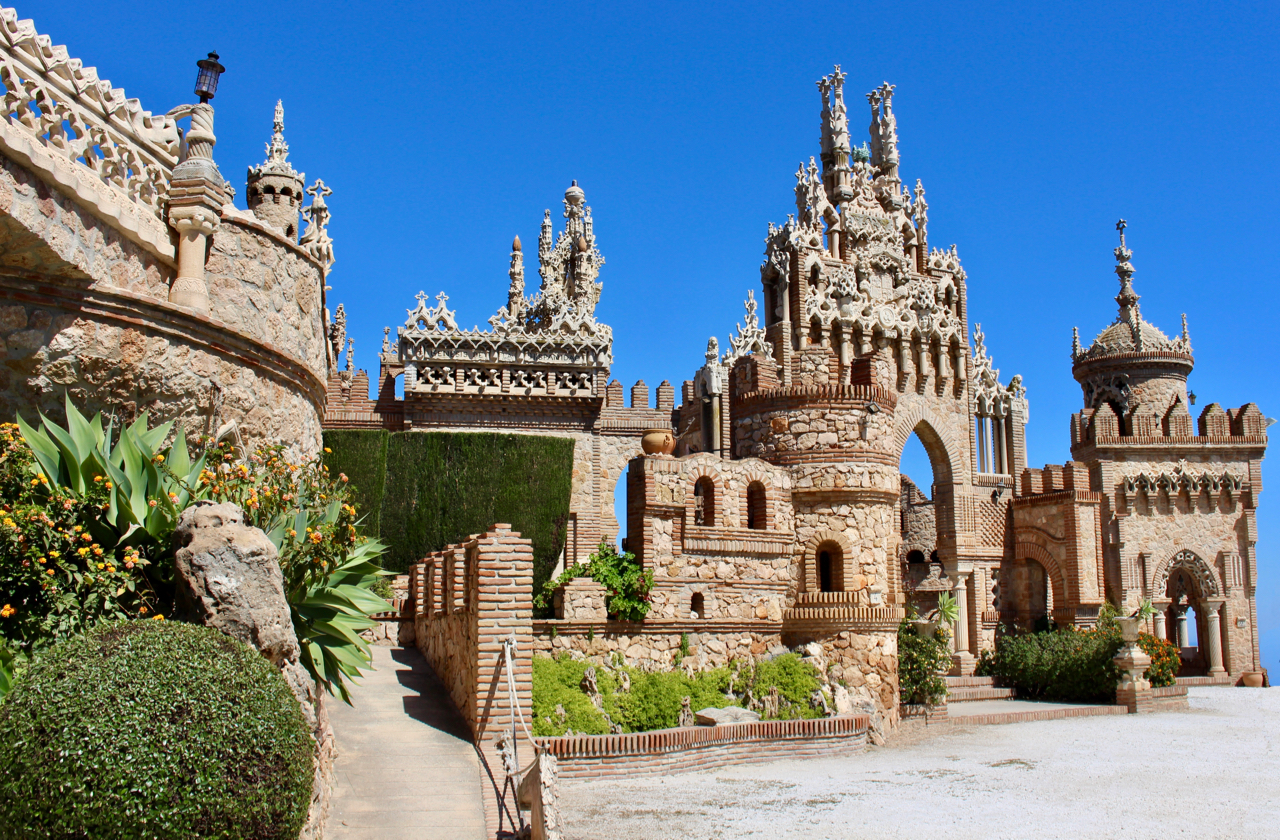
<point x="157" y="617"/>
<point x="142" y="610"/>
<point x="159" y="459"/>
<point x="328" y="451"/>
<point x="101" y="565"/>
<point x="48" y="571"/>
<point x="7" y="611"/>
<point x="111" y="570"/>
<point x="54" y="554"/>
<point x="82" y="551"/>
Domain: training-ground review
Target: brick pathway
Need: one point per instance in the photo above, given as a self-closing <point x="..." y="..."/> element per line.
<point x="406" y="768"/>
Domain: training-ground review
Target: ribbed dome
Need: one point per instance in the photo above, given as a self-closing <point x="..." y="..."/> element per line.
<point x="1129" y="333"/>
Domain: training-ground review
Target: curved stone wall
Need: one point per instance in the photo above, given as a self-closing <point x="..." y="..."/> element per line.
<point x="84" y="311"/>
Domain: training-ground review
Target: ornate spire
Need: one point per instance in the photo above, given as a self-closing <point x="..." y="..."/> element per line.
<point x="316" y="239"/>
<point x="836" y="153"/>
<point x="1128" y="298"/>
<point x="277" y="161"/>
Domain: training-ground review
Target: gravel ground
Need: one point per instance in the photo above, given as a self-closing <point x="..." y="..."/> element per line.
<point x="1210" y="772"/>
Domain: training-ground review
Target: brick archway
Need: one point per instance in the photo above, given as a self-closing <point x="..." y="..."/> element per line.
<point x="809" y="556"/>
<point x="1037" y="552"/>
<point x="1192" y="559"/>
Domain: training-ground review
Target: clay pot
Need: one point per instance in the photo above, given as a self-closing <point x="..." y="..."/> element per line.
<point x="658" y="442"/>
<point x="1252" y="679"/>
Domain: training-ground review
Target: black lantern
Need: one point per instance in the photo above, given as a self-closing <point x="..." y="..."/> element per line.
<point x="207" y="79"/>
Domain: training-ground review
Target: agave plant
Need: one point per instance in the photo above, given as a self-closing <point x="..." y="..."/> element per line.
<point x="948" y="609"/>
<point x="147" y="486"/>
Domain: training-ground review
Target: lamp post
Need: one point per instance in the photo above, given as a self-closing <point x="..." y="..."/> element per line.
<point x="207" y="78"/>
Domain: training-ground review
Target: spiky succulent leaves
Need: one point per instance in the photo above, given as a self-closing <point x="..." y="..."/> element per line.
<point x="331" y="614"/>
<point x="948" y="609"/>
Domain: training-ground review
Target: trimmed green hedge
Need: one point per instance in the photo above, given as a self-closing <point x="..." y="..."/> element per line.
<point x="151" y="729"/>
<point x="360" y="455"/>
<point x="440" y="487"/>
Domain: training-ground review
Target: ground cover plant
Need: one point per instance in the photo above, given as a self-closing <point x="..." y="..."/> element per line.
<point x="1074" y="665"/>
<point x="87" y="514"/>
<point x="638" y="701"/>
<point x="153" y="729"/>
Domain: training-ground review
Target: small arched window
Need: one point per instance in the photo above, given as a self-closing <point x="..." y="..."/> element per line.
<point x="830" y="567"/>
<point x="696" y="609"/>
<point x="269" y="190"/>
<point x="704" y="502"/>
<point x="286" y="191"/>
<point x="289" y="231"/>
<point x="756" y="512"/>
<point x="915" y="556"/>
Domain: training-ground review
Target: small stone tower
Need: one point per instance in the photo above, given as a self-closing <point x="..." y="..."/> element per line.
<point x="274" y="189"/>
<point x="1132" y="366"/>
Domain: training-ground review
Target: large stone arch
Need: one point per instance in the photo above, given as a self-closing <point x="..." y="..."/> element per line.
<point x="939" y="442"/>
<point x="1192" y="559"/>
<point x="1037" y="552"/>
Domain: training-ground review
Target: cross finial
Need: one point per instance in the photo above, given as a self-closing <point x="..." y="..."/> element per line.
<point x="1120" y="226"/>
<point x="421" y="296"/>
<point x="441" y="298"/>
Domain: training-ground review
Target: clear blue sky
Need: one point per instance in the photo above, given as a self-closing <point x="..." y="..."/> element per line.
<point x="445" y="129"/>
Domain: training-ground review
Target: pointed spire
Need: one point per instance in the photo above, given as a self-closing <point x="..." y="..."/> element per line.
<point x="1076" y="349"/>
<point x="1128" y="298"/>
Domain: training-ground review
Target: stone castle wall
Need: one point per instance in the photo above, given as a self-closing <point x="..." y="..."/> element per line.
<point x="84" y="312"/>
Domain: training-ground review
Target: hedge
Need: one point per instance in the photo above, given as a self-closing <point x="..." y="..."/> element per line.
<point x="153" y="729"/>
<point x="439" y="488"/>
<point x="361" y="455"/>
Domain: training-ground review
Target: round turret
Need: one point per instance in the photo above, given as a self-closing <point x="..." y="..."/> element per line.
<point x="1132" y="365"/>
<point x="274" y="190"/>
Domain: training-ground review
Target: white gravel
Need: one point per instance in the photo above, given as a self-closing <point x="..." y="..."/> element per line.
<point x="1210" y="772"/>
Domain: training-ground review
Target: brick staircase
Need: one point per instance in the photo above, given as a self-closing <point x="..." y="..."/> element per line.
<point x="968" y="689"/>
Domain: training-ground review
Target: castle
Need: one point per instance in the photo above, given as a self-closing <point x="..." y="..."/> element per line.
<point x="781" y="516"/>
<point x="777" y="516"/>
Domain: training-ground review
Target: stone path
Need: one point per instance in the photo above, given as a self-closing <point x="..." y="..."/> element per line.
<point x="406" y="769"/>
<point x="1212" y="771"/>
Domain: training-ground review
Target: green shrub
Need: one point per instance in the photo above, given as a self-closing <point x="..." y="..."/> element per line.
<point x="556" y="682"/>
<point x="149" y="729"/>
<point x="920" y="658"/>
<point x="360" y="455"/>
<point x="1068" y="665"/>
<point x="620" y="573"/>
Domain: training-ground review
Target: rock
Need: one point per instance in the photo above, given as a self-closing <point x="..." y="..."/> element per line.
<point x="778" y="650"/>
<point x="729" y="714"/>
<point x="686" y="713"/>
<point x="844" y="705"/>
<point x="227" y="576"/>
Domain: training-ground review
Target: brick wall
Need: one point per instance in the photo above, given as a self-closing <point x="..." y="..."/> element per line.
<point x="465" y="601"/>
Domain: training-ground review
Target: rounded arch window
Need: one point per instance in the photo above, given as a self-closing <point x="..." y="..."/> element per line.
<point x="757" y="512"/>
<point x="704" y="502"/>
<point x="830" y="567"/>
<point x="915" y="556"/>
<point x="697" y="606"/>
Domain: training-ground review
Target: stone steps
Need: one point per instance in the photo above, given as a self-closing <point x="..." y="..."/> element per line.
<point x="968" y="682"/>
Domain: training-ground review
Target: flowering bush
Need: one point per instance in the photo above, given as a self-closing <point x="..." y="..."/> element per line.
<point x="920" y="660"/>
<point x="86" y="534"/>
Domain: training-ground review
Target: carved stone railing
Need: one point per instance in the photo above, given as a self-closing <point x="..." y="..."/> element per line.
<point x="61" y="118"/>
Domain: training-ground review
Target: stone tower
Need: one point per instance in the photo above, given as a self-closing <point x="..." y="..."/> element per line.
<point x="274" y="189"/>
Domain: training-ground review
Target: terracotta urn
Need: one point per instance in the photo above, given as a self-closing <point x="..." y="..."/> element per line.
<point x="1252" y="679"/>
<point x="658" y="442"/>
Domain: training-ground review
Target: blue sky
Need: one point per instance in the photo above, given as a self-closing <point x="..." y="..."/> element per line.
<point x="445" y="130"/>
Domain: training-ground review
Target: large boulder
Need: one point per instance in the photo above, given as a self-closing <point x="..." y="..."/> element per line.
<point x="228" y="577"/>
<point x="729" y="714"/>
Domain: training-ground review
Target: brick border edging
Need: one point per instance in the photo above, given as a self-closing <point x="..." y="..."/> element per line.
<point x="1047" y="714"/>
<point x="704" y="747"/>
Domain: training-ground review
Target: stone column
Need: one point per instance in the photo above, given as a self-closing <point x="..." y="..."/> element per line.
<point x="963" y="661"/>
<point x="1213" y="623"/>
<point x="1184" y="639"/>
<point x="1134" y="691"/>
<point x="1159" y="619"/>
<point x="197" y="193"/>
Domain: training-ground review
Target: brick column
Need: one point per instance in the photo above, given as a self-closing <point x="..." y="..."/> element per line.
<point x="503" y="607"/>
